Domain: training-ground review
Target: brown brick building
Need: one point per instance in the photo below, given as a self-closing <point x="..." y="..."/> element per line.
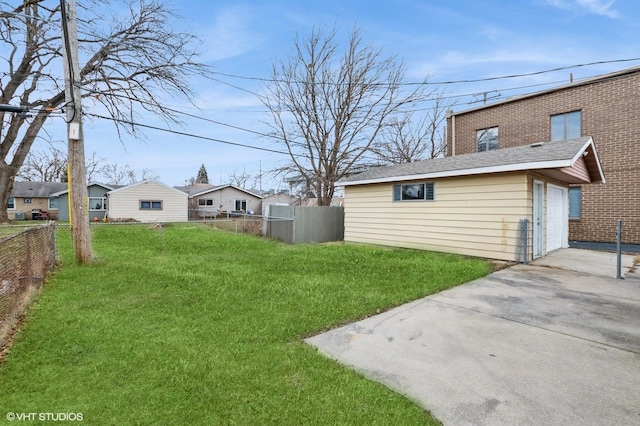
<point x="607" y="108"/>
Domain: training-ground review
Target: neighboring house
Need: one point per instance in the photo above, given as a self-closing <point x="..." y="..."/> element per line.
<point x="97" y="193"/>
<point x="228" y="198"/>
<point x="472" y="204"/>
<point x="277" y="199"/>
<point x="147" y="201"/>
<point x="606" y="108"/>
<point x="33" y="200"/>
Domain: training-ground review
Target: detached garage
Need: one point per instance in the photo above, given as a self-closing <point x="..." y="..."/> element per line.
<point x="473" y="204"/>
<point x="148" y="201"/>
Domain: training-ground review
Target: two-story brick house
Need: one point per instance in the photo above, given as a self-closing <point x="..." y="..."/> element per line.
<point x="605" y="107"/>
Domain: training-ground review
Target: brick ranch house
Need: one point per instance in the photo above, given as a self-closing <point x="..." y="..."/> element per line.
<point x="606" y="108"/>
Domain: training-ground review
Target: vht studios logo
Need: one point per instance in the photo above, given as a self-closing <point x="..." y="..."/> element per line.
<point x="51" y="417"/>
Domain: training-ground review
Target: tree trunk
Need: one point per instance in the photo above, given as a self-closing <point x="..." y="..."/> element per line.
<point x="6" y="181"/>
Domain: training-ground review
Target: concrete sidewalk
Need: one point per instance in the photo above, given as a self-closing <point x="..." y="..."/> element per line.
<point x="528" y="345"/>
<point x="587" y="261"/>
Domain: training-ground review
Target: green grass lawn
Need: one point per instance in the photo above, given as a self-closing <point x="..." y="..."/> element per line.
<point x="191" y="325"/>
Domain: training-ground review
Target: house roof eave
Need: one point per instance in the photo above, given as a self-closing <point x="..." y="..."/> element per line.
<point x="465" y="172"/>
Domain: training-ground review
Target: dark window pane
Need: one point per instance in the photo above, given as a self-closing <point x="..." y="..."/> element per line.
<point x="413" y="191"/>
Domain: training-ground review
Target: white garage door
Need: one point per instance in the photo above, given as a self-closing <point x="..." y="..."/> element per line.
<point x="556" y="217"/>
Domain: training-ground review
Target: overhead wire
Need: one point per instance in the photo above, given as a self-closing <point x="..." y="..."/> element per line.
<point x="446" y="82"/>
<point x="191" y="135"/>
<point x="265" y="134"/>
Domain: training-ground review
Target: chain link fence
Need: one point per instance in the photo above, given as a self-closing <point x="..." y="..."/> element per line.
<point x="27" y="256"/>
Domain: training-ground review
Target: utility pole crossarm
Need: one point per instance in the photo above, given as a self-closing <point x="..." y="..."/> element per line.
<point x="13" y="108"/>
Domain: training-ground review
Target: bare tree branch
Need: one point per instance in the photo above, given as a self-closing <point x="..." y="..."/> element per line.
<point x="127" y="63"/>
<point x="328" y="107"/>
<point x="414" y="136"/>
<point x="240" y="179"/>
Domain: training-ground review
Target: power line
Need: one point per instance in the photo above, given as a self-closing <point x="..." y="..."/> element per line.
<point x="191" y="135"/>
<point x="446" y="82"/>
<point x="182" y="113"/>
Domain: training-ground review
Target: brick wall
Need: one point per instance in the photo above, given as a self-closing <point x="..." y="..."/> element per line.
<point x="610" y="114"/>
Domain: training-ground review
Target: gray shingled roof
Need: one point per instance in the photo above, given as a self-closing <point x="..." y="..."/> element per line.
<point x="529" y="157"/>
<point x="36" y="189"/>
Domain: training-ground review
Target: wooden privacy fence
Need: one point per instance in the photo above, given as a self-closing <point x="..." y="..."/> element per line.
<point x="298" y="225"/>
<point x="27" y="255"/>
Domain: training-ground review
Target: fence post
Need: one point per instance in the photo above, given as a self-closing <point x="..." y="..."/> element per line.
<point x="619" y="249"/>
<point x="293" y="228"/>
<point x="526" y="241"/>
<point x="52" y="226"/>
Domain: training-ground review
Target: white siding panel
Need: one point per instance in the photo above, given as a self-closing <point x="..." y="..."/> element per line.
<point x="475" y="215"/>
<point x="224" y="200"/>
<point x="125" y="203"/>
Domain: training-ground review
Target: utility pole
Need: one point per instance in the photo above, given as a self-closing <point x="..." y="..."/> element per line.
<point x="79" y="213"/>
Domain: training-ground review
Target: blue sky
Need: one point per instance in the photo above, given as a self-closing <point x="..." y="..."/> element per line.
<point x="445" y="40"/>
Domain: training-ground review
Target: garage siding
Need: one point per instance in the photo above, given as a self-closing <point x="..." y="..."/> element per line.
<point x="476" y="215"/>
<point x="124" y="203"/>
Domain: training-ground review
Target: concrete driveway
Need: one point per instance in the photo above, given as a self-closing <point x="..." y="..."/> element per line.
<point x="527" y="345"/>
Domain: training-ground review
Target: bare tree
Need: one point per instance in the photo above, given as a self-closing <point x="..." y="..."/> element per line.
<point x="240" y="179"/>
<point x="148" y="174"/>
<point x="127" y="62"/>
<point x="411" y="138"/>
<point x="116" y="174"/>
<point x="44" y="166"/>
<point x="95" y="167"/>
<point x="51" y="166"/>
<point x="329" y="107"/>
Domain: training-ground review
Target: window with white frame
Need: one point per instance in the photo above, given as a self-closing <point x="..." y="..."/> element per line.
<point x="53" y="203"/>
<point x="487" y="139"/>
<point x="575" y="202"/>
<point x="98" y="203"/>
<point x="11" y="204"/>
<point x="240" y="205"/>
<point x="566" y="126"/>
<point x="150" y="205"/>
<point x="205" y="202"/>
<point x="424" y="191"/>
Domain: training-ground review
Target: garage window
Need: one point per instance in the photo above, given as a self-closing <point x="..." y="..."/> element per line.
<point x="150" y="205"/>
<point x="424" y="191"/>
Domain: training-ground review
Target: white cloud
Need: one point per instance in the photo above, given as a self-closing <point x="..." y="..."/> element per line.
<point x="230" y="34"/>
<point x="598" y="7"/>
